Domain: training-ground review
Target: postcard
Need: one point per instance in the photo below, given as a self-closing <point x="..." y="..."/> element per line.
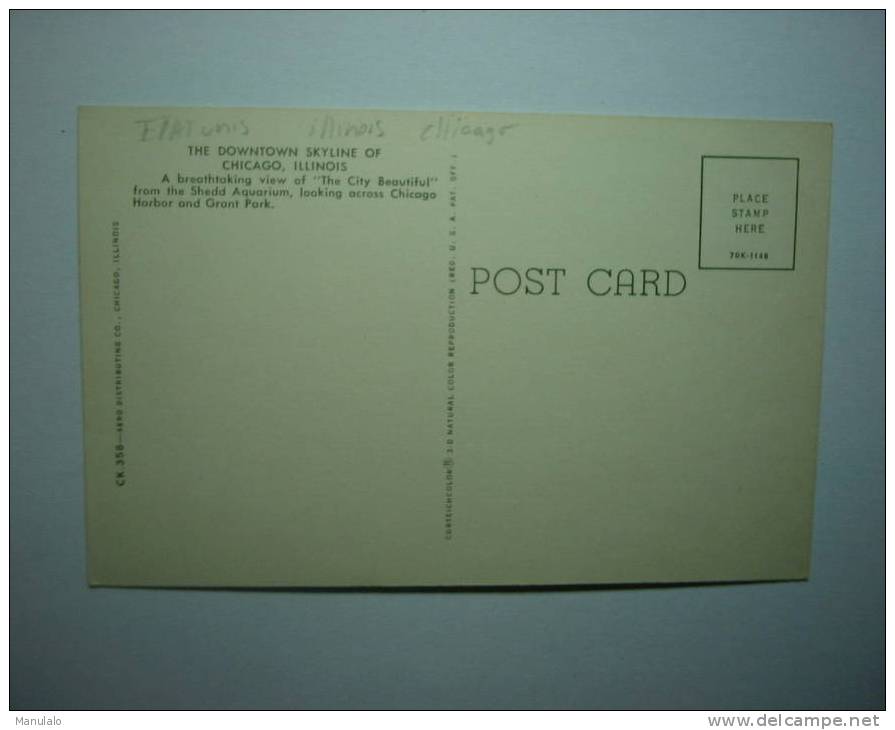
<point x="360" y="348"/>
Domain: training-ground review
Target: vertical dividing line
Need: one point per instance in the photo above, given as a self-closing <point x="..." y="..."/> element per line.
<point x="448" y="461"/>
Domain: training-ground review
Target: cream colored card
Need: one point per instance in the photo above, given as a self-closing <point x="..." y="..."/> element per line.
<point x="370" y="348"/>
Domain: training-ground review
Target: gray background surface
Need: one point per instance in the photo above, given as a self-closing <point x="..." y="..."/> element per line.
<point x="816" y="644"/>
